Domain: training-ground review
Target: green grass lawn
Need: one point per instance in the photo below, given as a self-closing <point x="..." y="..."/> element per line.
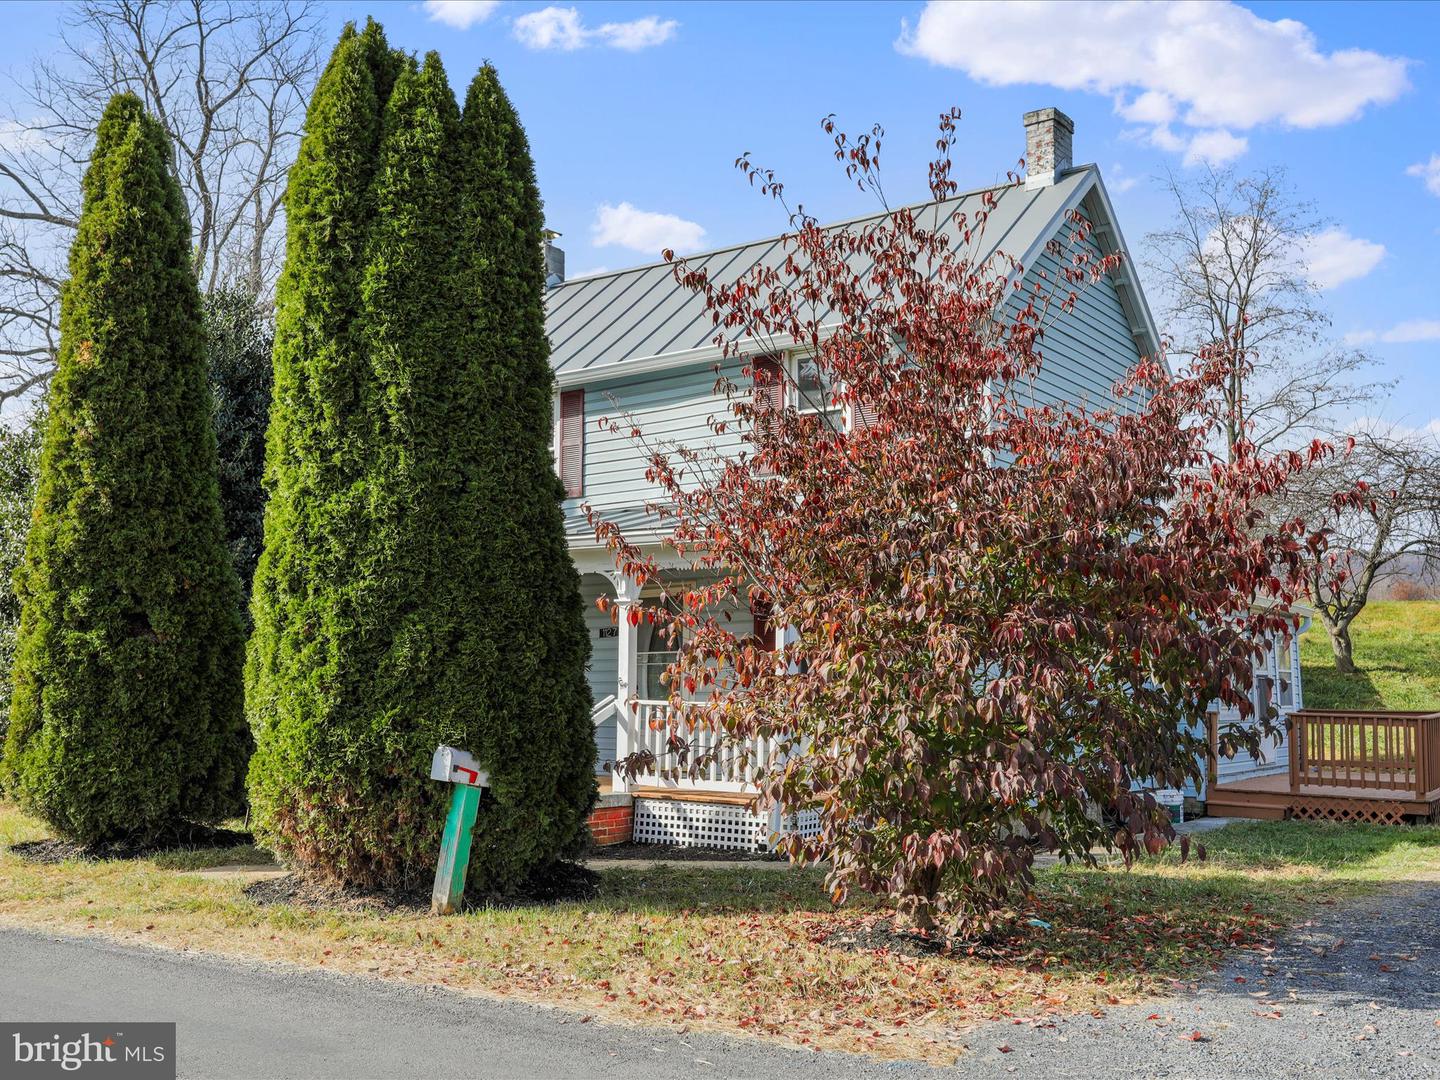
<point x="745" y="950"/>
<point x="1397" y="649"/>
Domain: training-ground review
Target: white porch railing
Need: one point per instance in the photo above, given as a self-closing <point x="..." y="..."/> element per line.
<point x="602" y="709"/>
<point x="733" y="768"/>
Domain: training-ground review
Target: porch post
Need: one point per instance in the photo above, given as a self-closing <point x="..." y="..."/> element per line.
<point x="784" y="636"/>
<point x="627" y="596"/>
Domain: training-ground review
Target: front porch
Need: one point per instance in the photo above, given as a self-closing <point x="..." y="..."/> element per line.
<point x="717" y="806"/>
<point x="1345" y="766"/>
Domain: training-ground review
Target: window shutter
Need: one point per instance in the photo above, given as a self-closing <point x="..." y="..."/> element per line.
<point x="764" y="628"/>
<point x="572" y="442"/>
<point x="769" y="383"/>
<point x="768" y="379"/>
<point x="863" y="414"/>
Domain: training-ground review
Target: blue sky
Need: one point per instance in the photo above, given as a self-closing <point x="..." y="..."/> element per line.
<point x="636" y="112"/>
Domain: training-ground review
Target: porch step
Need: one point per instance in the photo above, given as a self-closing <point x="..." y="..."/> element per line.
<point x="1245" y="808"/>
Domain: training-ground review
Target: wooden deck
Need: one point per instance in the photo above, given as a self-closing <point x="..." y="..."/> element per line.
<point x="1345" y="766"/>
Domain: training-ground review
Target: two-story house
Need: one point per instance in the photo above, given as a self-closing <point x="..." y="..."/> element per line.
<point x="634" y="342"/>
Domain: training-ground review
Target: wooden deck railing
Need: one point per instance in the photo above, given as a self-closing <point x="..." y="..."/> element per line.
<point x="1386" y="751"/>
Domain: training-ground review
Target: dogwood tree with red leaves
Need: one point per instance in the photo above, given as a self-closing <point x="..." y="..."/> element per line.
<point x="998" y="614"/>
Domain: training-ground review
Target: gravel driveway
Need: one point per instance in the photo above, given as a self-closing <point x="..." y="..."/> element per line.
<point x="1353" y="993"/>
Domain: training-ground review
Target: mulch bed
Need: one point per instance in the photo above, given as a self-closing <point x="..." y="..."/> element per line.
<point x="880" y="935"/>
<point x="184" y="838"/>
<point x="555" y="884"/>
<point x="675" y="853"/>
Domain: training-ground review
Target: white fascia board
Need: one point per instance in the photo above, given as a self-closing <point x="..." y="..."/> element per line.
<point x="642" y="365"/>
<point x="1132" y="295"/>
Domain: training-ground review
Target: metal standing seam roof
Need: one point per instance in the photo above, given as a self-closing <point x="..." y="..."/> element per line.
<point x="598" y="322"/>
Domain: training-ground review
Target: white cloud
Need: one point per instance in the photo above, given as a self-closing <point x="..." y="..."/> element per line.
<point x="461" y="14"/>
<point x="1378" y="425"/>
<point x="644" y="231"/>
<point x="550" y="28"/>
<point x="638" y="33"/>
<point x="1404" y="333"/>
<point x="1215" y="147"/>
<point x="563" y="28"/>
<point x="1333" y="257"/>
<point x="1151" y="107"/>
<point x="1120" y="181"/>
<point x="18" y="138"/>
<point x="1428" y="171"/>
<point x="1210" y="67"/>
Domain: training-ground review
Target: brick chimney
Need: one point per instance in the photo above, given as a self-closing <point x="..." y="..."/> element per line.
<point x="1048" y="135"/>
<point x="554" y="260"/>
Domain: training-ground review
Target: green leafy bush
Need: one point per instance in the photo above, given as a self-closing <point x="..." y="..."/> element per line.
<point x="239" y="340"/>
<point x="127" y="715"/>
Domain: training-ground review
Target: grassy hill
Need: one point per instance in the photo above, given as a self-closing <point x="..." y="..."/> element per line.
<point x="1397" y="649"/>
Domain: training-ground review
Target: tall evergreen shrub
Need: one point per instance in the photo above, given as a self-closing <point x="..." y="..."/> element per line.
<point x="127" y="719"/>
<point x="399" y="603"/>
<point x="314" y="644"/>
<point x="19" y="472"/>
<point x="529" y="637"/>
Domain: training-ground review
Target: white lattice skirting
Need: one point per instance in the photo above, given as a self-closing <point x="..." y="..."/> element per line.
<point x="712" y="825"/>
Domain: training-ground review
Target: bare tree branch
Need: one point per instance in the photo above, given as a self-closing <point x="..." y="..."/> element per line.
<point x="1394" y="531"/>
<point x="229" y="80"/>
<point x="1232" y="269"/>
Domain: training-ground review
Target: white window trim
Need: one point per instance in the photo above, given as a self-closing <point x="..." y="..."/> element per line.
<point x="845" y="410"/>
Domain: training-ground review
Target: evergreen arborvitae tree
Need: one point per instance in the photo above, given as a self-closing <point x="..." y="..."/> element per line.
<point x="19" y="471"/>
<point x="415" y="587"/>
<point x="310" y="667"/>
<point x="529" y="641"/>
<point x="127" y="718"/>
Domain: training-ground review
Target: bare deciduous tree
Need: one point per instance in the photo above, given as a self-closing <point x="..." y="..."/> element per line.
<point x="1396" y="529"/>
<point x="229" y="81"/>
<point x="1232" y="269"/>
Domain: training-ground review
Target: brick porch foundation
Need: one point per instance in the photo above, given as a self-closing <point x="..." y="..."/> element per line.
<point x="613" y="819"/>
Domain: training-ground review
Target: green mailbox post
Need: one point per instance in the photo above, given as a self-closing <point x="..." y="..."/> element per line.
<point x="460" y="769"/>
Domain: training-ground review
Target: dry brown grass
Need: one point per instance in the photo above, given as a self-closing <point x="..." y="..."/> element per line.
<point x="737" y="951"/>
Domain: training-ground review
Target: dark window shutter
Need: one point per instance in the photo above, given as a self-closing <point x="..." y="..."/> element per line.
<point x="768" y="378"/>
<point x="572" y="442"/>
<point x="769" y="383"/>
<point x="764" y="627"/>
<point x="863" y="414"/>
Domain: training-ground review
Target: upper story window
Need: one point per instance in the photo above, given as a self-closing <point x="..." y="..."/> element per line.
<point x="816" y="394"/>
<point x="570" y="440"/>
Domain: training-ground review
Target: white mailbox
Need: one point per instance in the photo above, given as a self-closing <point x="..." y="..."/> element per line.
<point x="456" y="766"/>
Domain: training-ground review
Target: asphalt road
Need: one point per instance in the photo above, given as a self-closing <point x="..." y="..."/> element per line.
<point x="1356" y="993"/>
<point x="250" y="1022"/>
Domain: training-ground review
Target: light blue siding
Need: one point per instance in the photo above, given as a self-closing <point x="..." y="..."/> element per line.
<point x="1085" y="351"/>
<point x="603" y="671"/>
<point x="670" y="408"/>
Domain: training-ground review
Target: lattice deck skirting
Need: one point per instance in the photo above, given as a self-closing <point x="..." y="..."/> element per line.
<point x="1369" y="811"/>
<point x="713" y="825"/>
